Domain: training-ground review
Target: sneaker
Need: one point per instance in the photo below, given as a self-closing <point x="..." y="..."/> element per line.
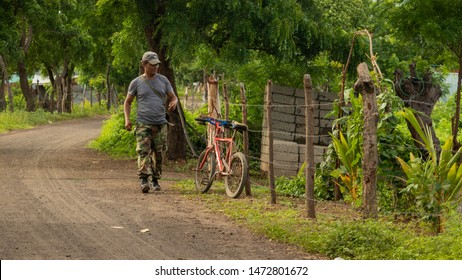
<point x="155" y="185"/>
<point x="144" y="184"/>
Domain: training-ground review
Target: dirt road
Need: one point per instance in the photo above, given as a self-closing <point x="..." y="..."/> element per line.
<point x="61" y="200"/>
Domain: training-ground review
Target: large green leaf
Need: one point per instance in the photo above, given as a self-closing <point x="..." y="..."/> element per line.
<point x="436" y="184"/>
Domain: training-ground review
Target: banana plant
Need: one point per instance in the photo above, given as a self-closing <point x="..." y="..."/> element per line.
<point x="348" y="152"/>
<point x="435" y="180"/>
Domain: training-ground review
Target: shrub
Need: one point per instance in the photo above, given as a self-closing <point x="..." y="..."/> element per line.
<point x="292" y="186"/>
<point x="363" y="240"/>
<point x="435" y="180"/>
<point x="114" y="139"/>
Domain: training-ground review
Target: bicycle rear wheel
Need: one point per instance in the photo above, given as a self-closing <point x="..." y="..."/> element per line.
<point x="205" y="174"/>
<point x="238" y="172"/>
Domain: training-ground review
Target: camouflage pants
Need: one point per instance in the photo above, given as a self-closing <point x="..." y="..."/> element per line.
<point x="151" y="142"/>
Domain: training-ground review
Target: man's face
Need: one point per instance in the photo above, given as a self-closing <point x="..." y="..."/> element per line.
<point x="150" y="69"/>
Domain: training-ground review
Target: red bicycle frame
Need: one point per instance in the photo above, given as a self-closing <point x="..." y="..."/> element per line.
<point x="228" y="141"/>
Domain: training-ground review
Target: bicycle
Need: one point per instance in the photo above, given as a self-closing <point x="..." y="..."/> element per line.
<point x="231" y="165"/>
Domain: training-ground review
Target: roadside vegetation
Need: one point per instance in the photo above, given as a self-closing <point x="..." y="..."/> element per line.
<point x="338" y="231"/>
<point x="21" y="119"/>
<point x="244" y="44"/>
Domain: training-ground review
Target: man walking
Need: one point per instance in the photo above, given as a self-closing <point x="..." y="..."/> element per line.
<point x="154" y="95"/>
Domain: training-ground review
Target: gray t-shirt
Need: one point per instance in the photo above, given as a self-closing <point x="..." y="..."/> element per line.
<point x="150" y="107"/>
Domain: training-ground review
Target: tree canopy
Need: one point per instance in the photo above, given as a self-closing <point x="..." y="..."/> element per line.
<point x="251" y="41"/>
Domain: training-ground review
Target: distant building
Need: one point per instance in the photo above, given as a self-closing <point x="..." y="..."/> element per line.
<point x="451" y="81"/>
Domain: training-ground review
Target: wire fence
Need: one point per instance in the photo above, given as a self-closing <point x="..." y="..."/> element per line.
<point x="257" y="159"/>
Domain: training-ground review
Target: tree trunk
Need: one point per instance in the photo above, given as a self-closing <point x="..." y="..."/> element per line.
<point x="456" y="118"/>
<point x="5" y="80"/>
<point x="176" y="139"/>
<point x="366" y="86"/>
<point x="25" y="88"/>
<point x="2" y="92"/>
<point x="68" y="83"/>
<point x="50" y="101"/>
<point x="61" y="86"/>
<point x="60" y="95"/>
<point x="26" y="39"/>
<point x="420" y="95"/>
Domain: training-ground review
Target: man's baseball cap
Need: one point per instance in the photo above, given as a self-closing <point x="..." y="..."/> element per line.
<point x="151" y="57"/>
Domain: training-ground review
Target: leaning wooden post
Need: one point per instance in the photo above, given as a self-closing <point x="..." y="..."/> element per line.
<point x="366" y="86"/>
<point x="214" y="109"/>
<point x="226" y="99"/>
<point x="269" y="108"/>
<point x="310" y="168"/>
<point x="248" y="191"/>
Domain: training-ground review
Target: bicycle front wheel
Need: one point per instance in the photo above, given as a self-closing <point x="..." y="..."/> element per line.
<point x="238" y="172"/>
<point x="205" y="171"/>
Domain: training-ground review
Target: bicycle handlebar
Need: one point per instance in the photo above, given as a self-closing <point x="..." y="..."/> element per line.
<point x="224" y="123"/>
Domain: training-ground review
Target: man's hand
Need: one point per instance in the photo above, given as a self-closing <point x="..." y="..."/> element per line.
<point x="172" y="104"/>
<point x="128" y="125"/>
<point x="173" y="101"/>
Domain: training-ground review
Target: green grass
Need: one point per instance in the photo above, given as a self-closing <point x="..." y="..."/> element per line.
<point x="21" y="119"/>
<point x="114" y="139"/>
<point x="338" y="231"/>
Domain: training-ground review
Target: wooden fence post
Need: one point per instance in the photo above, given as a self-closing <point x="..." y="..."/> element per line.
<point x="214" y="110"/>
<point x="366" y="86"/>
<point x="186" y="95"/>
<point x="108" y="87"/>
<point x="248" y="191"/>
<point x="269" y="108"/>
<point x="84" y="96"/>
<point x="309" y="148"/>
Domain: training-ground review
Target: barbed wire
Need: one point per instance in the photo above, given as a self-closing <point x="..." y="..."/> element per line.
<point x="316" y="105"/>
